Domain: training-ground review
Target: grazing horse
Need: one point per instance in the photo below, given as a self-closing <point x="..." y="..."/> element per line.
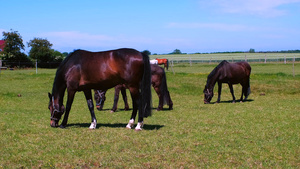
<point x="159" y="83"/>
<point x="84" y="70"/>
<point x="164" y="62"/>
<point x="230" y="73"/>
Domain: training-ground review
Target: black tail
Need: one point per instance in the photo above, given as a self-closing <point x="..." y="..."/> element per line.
<point x="167" y="64"/>
<point x="164" y="89"/>
<point x="146" y="98"/>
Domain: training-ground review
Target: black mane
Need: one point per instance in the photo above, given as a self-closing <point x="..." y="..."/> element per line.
<point x="213" y="73"/>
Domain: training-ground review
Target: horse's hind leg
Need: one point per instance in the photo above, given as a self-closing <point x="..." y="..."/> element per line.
<point x="123" y="92"/>
<point x="160" y="98"/>
<point x="116" y="99"/>
<point x="170" y="103"/>
<point x="134" y="92"/>
<point x="88" y="96"/>
<point x="232" y="93"/>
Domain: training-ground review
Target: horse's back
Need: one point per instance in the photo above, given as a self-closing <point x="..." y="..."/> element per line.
<point x="105" y="69"/>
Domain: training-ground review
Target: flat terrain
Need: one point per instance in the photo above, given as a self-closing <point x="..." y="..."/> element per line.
<point x="260" y="133"/>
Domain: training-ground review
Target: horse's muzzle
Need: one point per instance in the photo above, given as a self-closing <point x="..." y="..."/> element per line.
<point x="54" y="123"/>
<point x="206" y="102"/>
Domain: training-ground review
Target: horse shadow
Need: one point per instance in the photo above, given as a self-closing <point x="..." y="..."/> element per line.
<point x="230" y="101"/>
<point x="114" y="125"/>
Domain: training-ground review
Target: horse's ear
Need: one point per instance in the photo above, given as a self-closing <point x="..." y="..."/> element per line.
<point x="49" y="95"/>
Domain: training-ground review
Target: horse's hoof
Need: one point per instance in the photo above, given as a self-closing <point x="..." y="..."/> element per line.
<point x="112" y="111"/>
<point x="137" y="130"/>
<point x="62" y="126"/>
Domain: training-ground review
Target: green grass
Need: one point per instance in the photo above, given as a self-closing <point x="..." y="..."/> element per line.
<point x="260" y="133"/>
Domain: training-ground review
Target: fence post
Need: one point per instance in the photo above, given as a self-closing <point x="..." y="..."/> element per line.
<point x="246" y="58"/>
<point x="265" y="58"/>
<point x="294" y="66"/>
<point x="36" y="65"/>
<point x="190" y="61"/>
<point x="284" y="59"/>
<point x="0" y="65"/>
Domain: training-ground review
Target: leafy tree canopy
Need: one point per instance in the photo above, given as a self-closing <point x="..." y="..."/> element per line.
<point x="176" y="51"/>
<point x="147" y="52"/>
<point x="13" y="46"/>
<point x="41" y="50"/>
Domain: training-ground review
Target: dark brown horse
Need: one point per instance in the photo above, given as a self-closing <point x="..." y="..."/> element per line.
<point x="230" y="73"/>
<point x="159" y="83"/>
<point x="84" y="70"/>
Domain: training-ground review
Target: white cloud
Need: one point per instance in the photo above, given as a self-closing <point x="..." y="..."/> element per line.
<point x="214" y="26"/>
<point x="266" y="8"/>
<point x="95" y="42"/>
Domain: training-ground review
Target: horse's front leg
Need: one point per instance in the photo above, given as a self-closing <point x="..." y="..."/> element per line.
<point x="135" y="102"/>
<point x="88" y="96"/>
<point x="231" y="91"/>
<point x="70" y="100"/>
<point x="219" y="91"/>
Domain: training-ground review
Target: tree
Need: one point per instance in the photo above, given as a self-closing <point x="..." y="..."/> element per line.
<point x="147" y="52"/>
<point x="176" y="51"/>
<point x="58" y="56"/>
<point x="13" y="46"/>
<point x="252" y="50"/>
<point x="41" y="50"/>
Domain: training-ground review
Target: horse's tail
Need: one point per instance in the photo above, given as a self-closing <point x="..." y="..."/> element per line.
<point x="167" y="64"/>
<point x="145" y="106"/>
<point x="164" y="89"/>
<point x="248" y="91"/>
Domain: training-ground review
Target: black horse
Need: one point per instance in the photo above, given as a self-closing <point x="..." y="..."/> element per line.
<point x="230" y="73"/>
<point x="158" y="81"/>
<point x="84" y="70"/>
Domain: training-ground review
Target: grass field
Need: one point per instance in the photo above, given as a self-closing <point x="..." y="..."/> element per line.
<point x="260" y="133"/>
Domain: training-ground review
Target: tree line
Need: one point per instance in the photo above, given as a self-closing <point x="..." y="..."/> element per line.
<point x="40" y="51"/>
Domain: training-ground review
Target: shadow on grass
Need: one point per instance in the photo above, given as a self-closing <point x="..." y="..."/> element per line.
<point x="230" y="101"/>
<point x="115" y="125"/>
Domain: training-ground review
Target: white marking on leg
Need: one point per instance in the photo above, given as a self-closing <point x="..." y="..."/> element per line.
<point x="139" y="126"/>
<point x="93" y="125"/>
<point x="130" y="124"/>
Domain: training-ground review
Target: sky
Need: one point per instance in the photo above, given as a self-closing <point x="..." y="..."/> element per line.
<point x="160" y="26"/>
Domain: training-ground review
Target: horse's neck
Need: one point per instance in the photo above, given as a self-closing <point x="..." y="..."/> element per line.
<point x="58" y="91"/>
<point x="212" y="81"/>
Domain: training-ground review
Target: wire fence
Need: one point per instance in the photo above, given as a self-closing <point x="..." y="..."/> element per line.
<point x="217" y="58"/>
<point x="181" y="59"/>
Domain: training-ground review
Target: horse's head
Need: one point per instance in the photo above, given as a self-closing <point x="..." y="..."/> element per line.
<point x="99" y="98"/>
<point x="208" y="94"/>
<point x="56" y="111"/>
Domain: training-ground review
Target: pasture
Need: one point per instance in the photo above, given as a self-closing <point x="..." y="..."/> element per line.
<point x="260" y="133"/>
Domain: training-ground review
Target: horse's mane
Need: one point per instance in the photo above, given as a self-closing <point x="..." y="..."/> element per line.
<point x="213" y="73"/>
<point x="66" y="59"/>
<point x="59" y="75"/>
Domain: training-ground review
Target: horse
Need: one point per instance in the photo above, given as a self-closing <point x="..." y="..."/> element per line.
<point x="164" y="62"/>
<point x="84" y="70"/>
<point x="159" y="83"/>
<point x="230" y="73"/>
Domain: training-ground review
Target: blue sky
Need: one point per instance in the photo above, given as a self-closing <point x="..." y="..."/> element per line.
<point x="159" y="26"/>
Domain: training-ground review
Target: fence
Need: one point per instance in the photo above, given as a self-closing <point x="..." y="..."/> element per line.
<point x="183" y="58"/>
<point x="21" y="64"/>
<point x="217" y="58"/>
